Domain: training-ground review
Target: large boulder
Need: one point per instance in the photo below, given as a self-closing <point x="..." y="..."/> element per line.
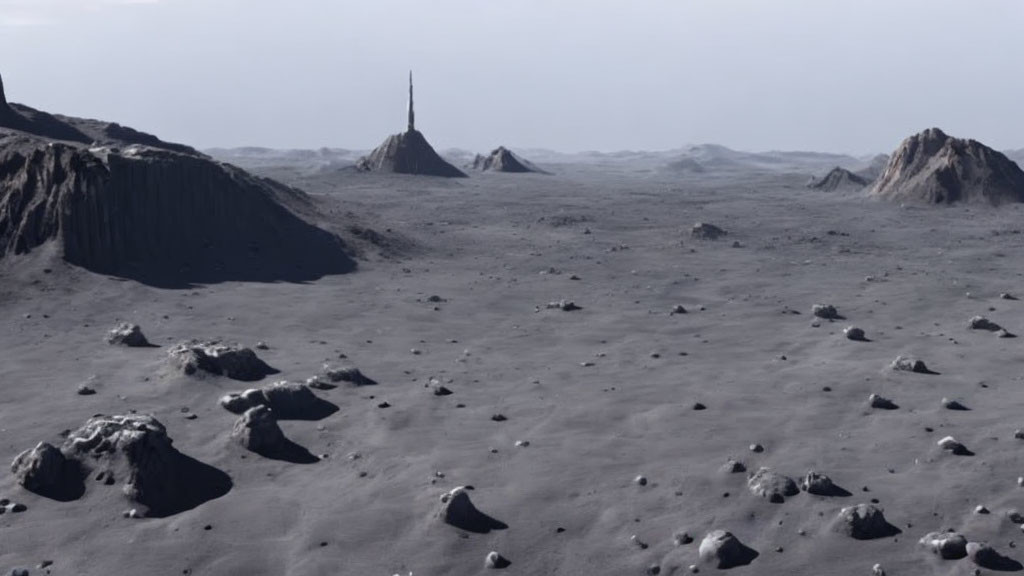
<point x="125" y="334"/>
<point x="721" y="550"/>
<point x="458" y="510"/>
<point x="288" y="400"/>
<point x="44" y="470"/>
<point x="933" y="168"/>
<point x="945" y="545"/>
<point x="863" y="522"/>
<point x="257" y="430"/>
<point x="771" y="485"/>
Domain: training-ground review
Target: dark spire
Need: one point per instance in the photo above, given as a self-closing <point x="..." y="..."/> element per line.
<point x="3" y="99"/>
<point x="412" y="115"/>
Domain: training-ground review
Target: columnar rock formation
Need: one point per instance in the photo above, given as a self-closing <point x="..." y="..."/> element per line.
<point x="934" y="168"/>
<point x="408" y="153"/>
<point x="122" y="202"/>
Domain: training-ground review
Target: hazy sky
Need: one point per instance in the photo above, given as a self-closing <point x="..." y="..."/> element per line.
<point x="830" y="75"/>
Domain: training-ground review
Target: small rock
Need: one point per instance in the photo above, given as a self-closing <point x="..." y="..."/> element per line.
<point x="125" y="334"/>
<point x="952" y="445"/>
<point x="952" y="405"/>
<point x="638" y="542"/>
<point x="982" y="323"/>
<point x="640" y="480"/>
<point x="733" y="467"/>
<point x="682" y="538"/>
<point x="563" y="305"/>
<point x="678" y="309"/>
<point x="981" y="509"/>
<point x="818" y="484"/>
<point x="85" y="390"/>
<point x="495" y="561"/>
<point x="825" y="311"/>
<point x="881" y="403"/>
<point x="904" y="364"/>
<point x="854" y="333"/>
<point x="756" y="448"/>
<point x="704" y="231"/>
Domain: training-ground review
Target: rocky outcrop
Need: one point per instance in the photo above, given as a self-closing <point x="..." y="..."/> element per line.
<point x="288" y="400"/>
<point x="161" y="217"/>
<point x="196" y="357"/>
<point x="133" y="450"/>
<point x="839" y="179"/>
<point x="408" y="153"/>
<point x="502" y="159"/>
<point x="933" y="168"/>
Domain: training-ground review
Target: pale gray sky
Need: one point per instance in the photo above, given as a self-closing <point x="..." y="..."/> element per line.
<point x="831" y="75"/>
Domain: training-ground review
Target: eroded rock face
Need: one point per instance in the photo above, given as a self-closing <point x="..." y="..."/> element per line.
<point x="232" y="361"/>
<point x="933" y="168"/>
<point x="159" y="216"/>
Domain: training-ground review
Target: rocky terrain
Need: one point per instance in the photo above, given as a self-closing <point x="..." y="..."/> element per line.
<point x="622" y="368"/>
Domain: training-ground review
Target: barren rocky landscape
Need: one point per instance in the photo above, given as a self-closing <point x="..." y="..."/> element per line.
<point x="632" y="364"/>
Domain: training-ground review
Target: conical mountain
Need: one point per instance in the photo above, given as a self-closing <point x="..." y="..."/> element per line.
<point x="839" y="179"/>
<point x="408" y="153"/>
<point x="502" y="159"/>
<point x="934" y="168"/>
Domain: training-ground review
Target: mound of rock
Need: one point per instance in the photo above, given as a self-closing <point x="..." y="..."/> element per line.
<point x="212" y="357"/>
<point x="825" y="311"/>
<point x="288" y="400"/>
<point x="839" y="179"/>
<point x="863" y="522"/>
<point x="125" y="334"/>
<point x="933" y="168"/>
<point x="771" y="485"/>
<point x="502" y="159"/>
<point x="820" y="485"/>
<point x="257" y="430"/>
<point x="946" y="545"/>
<point x="721" y="550"/>
<point x="132" y="449"/>
<point x="705" y="231"/>
<point x="408" y="153"/>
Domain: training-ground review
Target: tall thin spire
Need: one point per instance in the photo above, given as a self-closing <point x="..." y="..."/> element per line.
<point x="412" y="114"/>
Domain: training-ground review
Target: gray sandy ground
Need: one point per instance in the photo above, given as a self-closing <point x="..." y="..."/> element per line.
<point x="480" y="244"/>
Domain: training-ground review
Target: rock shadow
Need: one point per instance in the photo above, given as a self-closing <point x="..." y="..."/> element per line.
<point x="196" y="483"/>
<point x="289" y="451"/>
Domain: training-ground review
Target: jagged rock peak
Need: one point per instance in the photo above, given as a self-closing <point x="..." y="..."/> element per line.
<point x="934" y="168"/>
<point x="3" y="97"/>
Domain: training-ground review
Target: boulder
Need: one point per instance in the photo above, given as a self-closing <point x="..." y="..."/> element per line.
<point x="43" y="469"/>
<point x="705" y="231"/>
<point x="721" y="550"/>
<point x="946" y="545"/>
<point x="125" y="334"/>
<point x="771" y="485"/>
<point x="863" y="522"/>
<point x="257" y="430"/>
